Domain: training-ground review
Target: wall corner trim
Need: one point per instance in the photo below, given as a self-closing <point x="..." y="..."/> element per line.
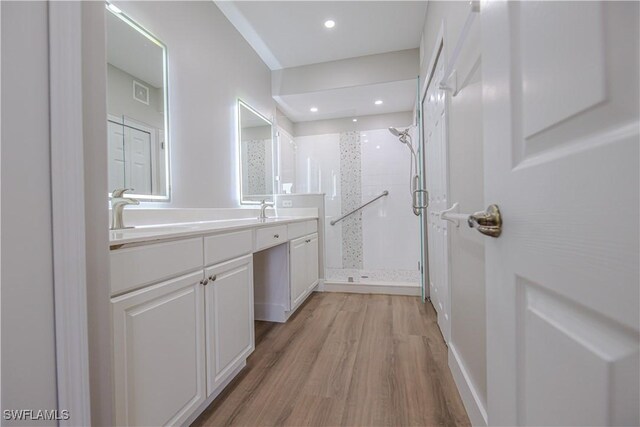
<point x="68" y="211"/>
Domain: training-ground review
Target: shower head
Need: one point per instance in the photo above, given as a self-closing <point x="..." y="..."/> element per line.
<point x="394" y="131"/>
<point x="402" y="135"/>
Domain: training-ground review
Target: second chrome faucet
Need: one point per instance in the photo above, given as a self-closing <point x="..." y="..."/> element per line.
<point x="263" y="209"/>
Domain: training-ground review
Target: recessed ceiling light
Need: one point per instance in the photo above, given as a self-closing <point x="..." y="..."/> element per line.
<point x="113" y="8"/>
<point x="355" y="120"/>
<point x="377" y="147"/>
<point x="329" y="23"/>
<point x="364" y="134"/>
<point x="378" y="102"/>
<point x="313" y="109"/>
<point x="366" y="140"/>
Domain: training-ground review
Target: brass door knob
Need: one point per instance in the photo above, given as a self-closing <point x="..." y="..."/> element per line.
<point x="488" y="222"/>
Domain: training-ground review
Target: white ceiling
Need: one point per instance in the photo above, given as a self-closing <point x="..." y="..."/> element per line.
<point x="352" y="101"/>
<point x="292" y="33"/>
<point x="132" y="52"/>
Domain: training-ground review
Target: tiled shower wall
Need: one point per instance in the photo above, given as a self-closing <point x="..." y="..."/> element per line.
<point x="350" y="199"/>
<point x="256" y="179"/>
<point x="381" y="242"/>
<point x="256" y="157"/>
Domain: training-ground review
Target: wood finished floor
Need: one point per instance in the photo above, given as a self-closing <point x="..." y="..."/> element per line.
<point x="345" y="360"/>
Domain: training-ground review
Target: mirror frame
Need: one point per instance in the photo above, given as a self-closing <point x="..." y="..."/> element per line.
<point x="165" y="93"/>
<point x="240" y="103"/>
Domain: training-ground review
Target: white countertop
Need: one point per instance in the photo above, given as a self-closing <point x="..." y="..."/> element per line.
<point x="150" y="233"/>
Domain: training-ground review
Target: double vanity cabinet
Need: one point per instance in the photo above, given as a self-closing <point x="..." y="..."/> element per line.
<point x="183" y="311"/>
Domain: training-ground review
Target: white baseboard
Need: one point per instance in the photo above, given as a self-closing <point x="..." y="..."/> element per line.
<point x="372" y="288"/>
<point x="473" y="404"/>
<point x="269" y="312"/>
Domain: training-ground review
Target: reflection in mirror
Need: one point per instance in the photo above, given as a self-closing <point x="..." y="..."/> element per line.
<point x="256" y="155"/>
<point x="137" y="109"/>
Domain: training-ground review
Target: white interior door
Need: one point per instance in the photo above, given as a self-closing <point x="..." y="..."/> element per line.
<point x="138" y="159"/>
<point x="436" y="159"/>
<point x="561" y="161"/>
<point x="116" y="155"/>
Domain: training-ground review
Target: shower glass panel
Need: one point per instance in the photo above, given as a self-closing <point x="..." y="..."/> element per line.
<point x="379" y="244"/>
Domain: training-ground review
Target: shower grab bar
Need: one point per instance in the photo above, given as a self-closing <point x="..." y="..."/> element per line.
<point x="335" y="221"/>
<point x="475" y="8"/>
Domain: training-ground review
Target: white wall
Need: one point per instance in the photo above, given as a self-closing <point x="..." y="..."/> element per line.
<point x="28" y="346"/>
<point x="360" y="71"/>
<point x="283" y="122"/>
<point x="286" y="151"/>
<point x="120" y="101"/>
<point x="378" y="121"/>
<point x="466" y="186"/>
<point x="210" y="66"/>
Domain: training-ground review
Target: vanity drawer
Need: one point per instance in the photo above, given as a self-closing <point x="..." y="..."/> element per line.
<point x="222" y="247"/>
<point x="270" y="236"/>
<point x="139" y="266"/>
<point x="299" y="229"/>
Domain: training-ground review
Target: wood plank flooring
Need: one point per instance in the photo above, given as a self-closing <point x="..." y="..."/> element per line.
<point x="345" y="360"/>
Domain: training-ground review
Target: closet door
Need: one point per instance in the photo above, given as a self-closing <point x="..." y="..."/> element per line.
<point x="437" y="168"/>
<point x="116" y="154"/>
<point x="138" y="160"/>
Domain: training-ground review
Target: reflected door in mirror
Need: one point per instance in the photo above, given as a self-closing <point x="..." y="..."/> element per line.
<point x="137" y="109"/>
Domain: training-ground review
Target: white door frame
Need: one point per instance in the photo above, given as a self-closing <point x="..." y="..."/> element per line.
<point x="68" y="210"/>
<point x="439" y="53"/>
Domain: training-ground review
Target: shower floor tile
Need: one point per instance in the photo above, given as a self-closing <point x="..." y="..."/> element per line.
<point x="410" y="277"/>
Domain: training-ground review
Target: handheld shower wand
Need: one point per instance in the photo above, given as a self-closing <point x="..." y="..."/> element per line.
<point x="414" y="180"/>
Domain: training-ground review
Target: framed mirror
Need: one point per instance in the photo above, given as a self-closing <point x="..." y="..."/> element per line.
<point x="255" y="145"/>
<point x="137" y="114"/>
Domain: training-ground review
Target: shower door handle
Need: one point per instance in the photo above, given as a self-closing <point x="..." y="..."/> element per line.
<point x="417" y="208"/>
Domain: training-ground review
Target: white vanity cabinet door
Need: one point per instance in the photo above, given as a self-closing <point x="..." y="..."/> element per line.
<point x="298" y="275"/>
<point x="303" y="261"/>
<point x="229" y="318"/>
<point x="312" y="261"/>
<point x="159" y="352"/>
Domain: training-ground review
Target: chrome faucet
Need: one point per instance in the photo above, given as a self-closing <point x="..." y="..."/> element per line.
<point x="263" y="209"/>
<point x="117" y="207"/>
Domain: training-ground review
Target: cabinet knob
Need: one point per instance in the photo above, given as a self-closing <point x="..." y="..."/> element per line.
<point x="276" y="236"/>
<point x="213" y="278"/>
<point x="204" y="282"/>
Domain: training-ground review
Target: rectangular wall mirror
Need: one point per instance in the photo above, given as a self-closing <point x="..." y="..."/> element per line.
<point x="255" y="137"/>
<point x="137" y="118"/>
